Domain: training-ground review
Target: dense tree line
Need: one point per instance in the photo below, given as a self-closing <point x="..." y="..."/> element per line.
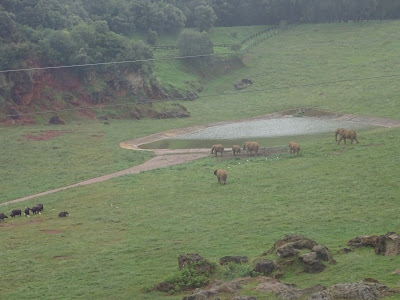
<point x="84" y="31"/>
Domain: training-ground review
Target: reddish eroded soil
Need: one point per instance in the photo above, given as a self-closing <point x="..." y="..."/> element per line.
<point x="45" y="135"/>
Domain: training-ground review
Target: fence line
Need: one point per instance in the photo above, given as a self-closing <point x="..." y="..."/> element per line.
<point x="268" y="31"/>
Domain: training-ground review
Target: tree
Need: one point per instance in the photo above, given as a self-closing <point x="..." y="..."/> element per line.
<point x="204" y="17"/>
<point x="194" y="43"/>
<point x="7" y="26"/>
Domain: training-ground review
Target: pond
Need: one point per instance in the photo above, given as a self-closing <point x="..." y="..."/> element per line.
<point x="268" y="132"/>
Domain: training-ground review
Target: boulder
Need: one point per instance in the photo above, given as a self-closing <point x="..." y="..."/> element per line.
<point x="297" y="241"/>
<point x="323" y="253"/>
<point x="265" y="267"/>
<point x="356" y="291"/>
<point x="363" y="241"/>
<point x="235" y="259"/>
<point x="311" y="263"/>
<point x="367" y="289"/>
<point x="287" y="251"/>
<point x="279" y="289"/>
<point x="56" y="120"/>
<point x="200" y="294"/>
<point x="244" y="83"/>
<point x="388" y="244"/>
<point x="196" y="261"/>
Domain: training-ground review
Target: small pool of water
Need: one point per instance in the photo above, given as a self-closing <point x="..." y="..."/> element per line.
<point x="272" y="128"/>
<point x="268" y="133"/>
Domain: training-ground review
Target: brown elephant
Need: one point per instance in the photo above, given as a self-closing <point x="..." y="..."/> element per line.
<point x="217" y="148"/>
<point x="236" y="149"/>
<point x="250" y="147"/>
<point x="294" y="147"/>
<point x="222" y="175"/>
<point x="338" y="131"/>
<point x="347" y="134"/>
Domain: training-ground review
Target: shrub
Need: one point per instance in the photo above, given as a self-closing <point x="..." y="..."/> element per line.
<point x="188" y="278"/>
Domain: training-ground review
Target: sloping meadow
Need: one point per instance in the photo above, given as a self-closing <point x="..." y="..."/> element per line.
<point x="125" y="235"/>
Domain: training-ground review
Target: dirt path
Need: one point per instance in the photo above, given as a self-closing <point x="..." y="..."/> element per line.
<point x="167" y="157"/>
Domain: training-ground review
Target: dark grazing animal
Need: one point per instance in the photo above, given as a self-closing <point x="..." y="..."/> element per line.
<point x="27" y="211"/>
<point x="36" y="209"/>
<point x="16" y="212"/>
<point x="63" y="214"/>
<point x="2" y="217"/>
<point x="40" y="205"/>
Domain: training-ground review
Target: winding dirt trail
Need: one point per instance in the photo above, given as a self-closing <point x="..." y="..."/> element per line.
<point x="167" y="157"/>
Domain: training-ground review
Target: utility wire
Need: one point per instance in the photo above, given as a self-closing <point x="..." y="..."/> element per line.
<point x="145" y="101"/>
<point x="111" y="63"/>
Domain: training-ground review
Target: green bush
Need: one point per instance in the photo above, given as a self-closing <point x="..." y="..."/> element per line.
<point x="233" y="270"/>
<point x="188" y="278"/>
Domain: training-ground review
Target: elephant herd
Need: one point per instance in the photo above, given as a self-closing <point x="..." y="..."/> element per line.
<point x="250" y="147"/>
<point x="294" y="148"/>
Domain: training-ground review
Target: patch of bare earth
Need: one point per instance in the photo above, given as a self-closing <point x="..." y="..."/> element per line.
<point x="60" y="257"/>
<point x="52" y="231"/>
<point x="45" y="135"/>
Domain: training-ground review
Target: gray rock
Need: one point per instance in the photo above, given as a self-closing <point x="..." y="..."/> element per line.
<point x="279" y="289"/>
<point x="354" y="291"/>
<point x="388" y="244"/>
<point x="287" y="251"/>
<point x="265" y="267"/>
<point x="196" y="261"/>
<point x="322" y="253"/>
<point x="363" y="241"/>
<point x="235" y="259"/>
<point x="311" y="263"/>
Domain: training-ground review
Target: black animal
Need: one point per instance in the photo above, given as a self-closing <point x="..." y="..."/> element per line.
<point x="26" y="211"/>
<point x="36" y="209"/>
<point x="16" y="212"/>
<point x="63" y="214"/>
<point x="41" y="206"/>
<point x="2" y="217"/>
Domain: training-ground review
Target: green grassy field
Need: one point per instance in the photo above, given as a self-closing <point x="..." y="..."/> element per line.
<point x="124" y="235"/>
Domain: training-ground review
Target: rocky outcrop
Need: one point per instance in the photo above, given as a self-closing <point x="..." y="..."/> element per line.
<point x="56" y="120"/>
<point x="311" y="263"/>
<point x="265" y="267"/>
<point x="296" y="241"/>
<point x="244" y="83"/>
<point x="388" y="244"/>
<point x="364" y="290"/>
<point x="235" y="259"/>
<point x="363" y="241"/>
<point x="196" y="261"/>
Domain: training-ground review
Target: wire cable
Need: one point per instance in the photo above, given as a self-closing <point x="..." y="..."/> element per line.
<point x="146" y="101"/>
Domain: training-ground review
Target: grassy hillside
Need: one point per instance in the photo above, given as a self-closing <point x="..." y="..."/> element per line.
<point x="328" y="193"/>
<point x="125" y="234"/>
